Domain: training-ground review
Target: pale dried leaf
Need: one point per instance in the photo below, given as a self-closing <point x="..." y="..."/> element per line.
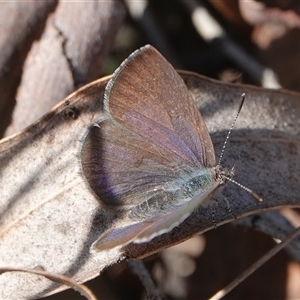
<point x="50" y="217"/>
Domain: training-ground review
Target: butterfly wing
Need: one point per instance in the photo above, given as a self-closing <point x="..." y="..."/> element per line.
<point x="148" y="229"/>
<point x="148" y="97"/>
<point x="155" y="133"/>
<point x="122" y="168"/>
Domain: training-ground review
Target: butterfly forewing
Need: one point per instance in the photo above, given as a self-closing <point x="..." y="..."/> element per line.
<point x="148" y="97"/>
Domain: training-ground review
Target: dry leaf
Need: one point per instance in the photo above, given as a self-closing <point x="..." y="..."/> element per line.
<point x="50" y="217"/>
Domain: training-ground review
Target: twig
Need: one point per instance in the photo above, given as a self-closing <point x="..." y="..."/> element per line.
<point x="138" y="268"/>
<point x="255" y="266"/>
<point x="59" y="278"/>
<point x="276" y="225"/>
<point x="140" y="12"/>
<point x="210" y="30"/>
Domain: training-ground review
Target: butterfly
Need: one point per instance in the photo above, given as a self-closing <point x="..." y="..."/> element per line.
<point x="152" y="156"/>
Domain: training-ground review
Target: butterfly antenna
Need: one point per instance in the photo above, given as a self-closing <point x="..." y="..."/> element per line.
<point x="256" y="196"/>
<point x="232" y="125"/>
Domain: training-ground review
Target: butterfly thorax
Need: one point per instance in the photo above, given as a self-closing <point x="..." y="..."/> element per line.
<point x="222" y="174"/>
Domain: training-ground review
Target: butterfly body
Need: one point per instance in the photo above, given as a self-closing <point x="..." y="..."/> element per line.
<point x="175" y="194"/>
